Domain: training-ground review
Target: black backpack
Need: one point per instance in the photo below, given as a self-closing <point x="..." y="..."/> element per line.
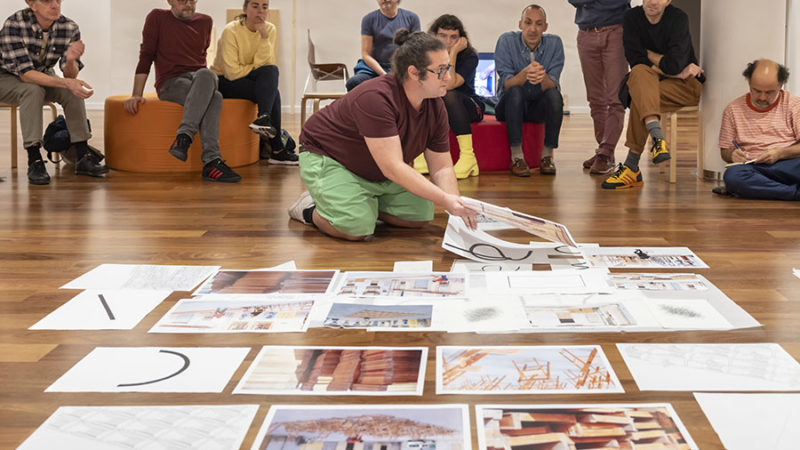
<point x="56" y="139"/>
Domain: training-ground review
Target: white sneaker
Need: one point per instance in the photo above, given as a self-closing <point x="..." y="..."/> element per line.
<point x="301" y="204"/>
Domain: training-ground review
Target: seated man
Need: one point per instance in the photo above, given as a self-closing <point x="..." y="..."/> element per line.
<point x="356" y="154"/>
<point x="760" y="134"/>
<point x="32" y="41"/>
<point x="529" y="65"/>
<point x="176" y="40"/>
<point x="664" y="76"/>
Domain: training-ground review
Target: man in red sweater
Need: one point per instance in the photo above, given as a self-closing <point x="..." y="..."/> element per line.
<point x="176" y="40"/>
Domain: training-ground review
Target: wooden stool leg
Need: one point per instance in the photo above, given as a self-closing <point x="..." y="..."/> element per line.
<point x="303" y="112"/>
<point x="13" y="137"/>
<point x="673" y="141"/>
<point x="700" y="145"/>
<point x="54" y="113"/>
<point x="316" y="105"/>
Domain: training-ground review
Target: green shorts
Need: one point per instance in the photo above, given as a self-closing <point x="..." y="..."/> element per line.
<point x="352" y="204"/>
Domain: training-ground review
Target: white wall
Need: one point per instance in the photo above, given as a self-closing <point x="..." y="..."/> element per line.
<point x="112" y="32"/>
<point x="793" y="44"/>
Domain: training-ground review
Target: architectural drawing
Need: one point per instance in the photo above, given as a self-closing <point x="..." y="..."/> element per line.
<point x="660" y="281"/>
<point x="126" y="427"/>
<point x="715" y="367"/>
<point x="271" y="315"/>
<point x="514" y="370"/>
<point x="591" y="316"/>
<point x="391" y="284"/>
<point x="566" y="427"/>
<point x="362" y="427"/>
<point x="287" y="370"/>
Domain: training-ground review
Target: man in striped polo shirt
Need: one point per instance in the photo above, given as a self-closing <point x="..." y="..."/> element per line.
<point x="760" y="137"/>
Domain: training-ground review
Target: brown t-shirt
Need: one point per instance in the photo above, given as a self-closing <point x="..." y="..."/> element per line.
<point x="377" y="108"/>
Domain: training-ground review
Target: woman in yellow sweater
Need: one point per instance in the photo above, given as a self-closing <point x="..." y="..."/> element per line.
<point x="246" y="66"/>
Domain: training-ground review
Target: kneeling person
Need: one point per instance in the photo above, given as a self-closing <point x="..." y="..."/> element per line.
<point x="762" y="129"/>
<point x="356" y="153"/>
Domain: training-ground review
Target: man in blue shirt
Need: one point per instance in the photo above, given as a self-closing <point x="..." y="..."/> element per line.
<point x="529" y="64"/>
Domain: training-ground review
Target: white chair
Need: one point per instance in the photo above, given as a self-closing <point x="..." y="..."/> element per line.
<point x="321" y="73"/>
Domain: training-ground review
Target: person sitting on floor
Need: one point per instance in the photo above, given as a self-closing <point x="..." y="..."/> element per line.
<point x="529" y="65"/>
<point x="32" y="41"/>
<point x="377" y="40"/>
<point x="356" y="153"/>
<point x="246" y="66"/>
<point x="760" y="136"/>
<point x="463" y="107"/>
<point x="176" y="40"/>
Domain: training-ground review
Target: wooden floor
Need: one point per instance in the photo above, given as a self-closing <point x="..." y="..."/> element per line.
<point x="52" y="234"/>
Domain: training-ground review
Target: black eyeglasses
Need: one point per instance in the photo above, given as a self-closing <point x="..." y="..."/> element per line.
<point x="442" y="70"/>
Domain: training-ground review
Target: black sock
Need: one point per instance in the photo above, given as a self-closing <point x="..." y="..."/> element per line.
<point x="632" y="161"/>
<point x="81" y="149"/>
<point x="33" y="153"/>
<point x="308" y="215"/>
<point x="276" y="143"/>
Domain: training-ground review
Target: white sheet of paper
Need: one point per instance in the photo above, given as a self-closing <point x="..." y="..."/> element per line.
<point x="152" y="369"/>
<point x="589" y="281"/>
<point x="116" y="310"/>
<point x="543" y="228"/>
<point x="443" y="285"/>
<point x="251" y="314"/>
<point x="711" y="367"/>
<point x="466" y="265"/>
<point x="687" y="314"/>
<point x="142" y="276"/>
<point x="276" y="370"/>
<point x="484" y="315"/>
<point x="413" y="266"/>
<point x="380" y="423"/>
<point x="289" y="265"/>
<point x="220" y="427"/>
<point x="753" y="421"/>
<point x="482" y="247"/>
<point x="796" y="272"/>
<point x="524" y="370"/>
<point x="643" y="257"/>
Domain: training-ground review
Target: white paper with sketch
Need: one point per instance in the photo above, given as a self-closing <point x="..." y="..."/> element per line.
<point x="142" y="276"/>
<point x="102" y="310"/>
<point x="364" y="371"/>
<point x="620" y="311"/>
<point x="543" y="228"/>
<point x="590" y="281"/>
<point x="466" y="265"/>
<point x="687" y="314"/>
<point x="221" y="427"/>
<point x="711" y="367"/>
<point x="475" y="370"/>
<point x="402" y="285"/>
<point x="152" y="369"/>
<point x="643" y="257"/>
<point x="483" y="247"/>
<point x="218" y="314"/>
<point x="499" y="314"/>
<point x="753" y="421"/>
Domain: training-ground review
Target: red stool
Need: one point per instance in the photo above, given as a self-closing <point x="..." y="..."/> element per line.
<point x="490" y="142"/>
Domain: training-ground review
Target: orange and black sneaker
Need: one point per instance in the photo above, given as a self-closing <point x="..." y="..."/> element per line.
<point x="623" y="178"/>
<point x="659" y="151"/>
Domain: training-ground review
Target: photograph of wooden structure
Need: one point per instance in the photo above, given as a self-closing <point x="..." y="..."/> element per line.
<point x="515" y="370"/>
<point x="346" y="315"/>
<point x="591" y="427"/>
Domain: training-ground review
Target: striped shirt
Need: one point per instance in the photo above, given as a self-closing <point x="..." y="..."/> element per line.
<point x="25" y="46"/>
<point x="759" y="130"/>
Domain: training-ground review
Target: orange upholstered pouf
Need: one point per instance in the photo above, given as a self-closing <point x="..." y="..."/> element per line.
<point x="139" y="143"/>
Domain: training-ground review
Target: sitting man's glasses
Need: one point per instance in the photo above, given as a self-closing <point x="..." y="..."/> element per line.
<point x="442" y="70"/>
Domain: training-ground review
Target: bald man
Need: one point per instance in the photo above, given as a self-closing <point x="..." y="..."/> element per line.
<point x="760" y="137"/>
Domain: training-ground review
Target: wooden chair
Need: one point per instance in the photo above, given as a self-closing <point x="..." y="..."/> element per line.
<point x="670" y="118"/>
<point x="321" y="72"/>
<point x="13" y="109"/>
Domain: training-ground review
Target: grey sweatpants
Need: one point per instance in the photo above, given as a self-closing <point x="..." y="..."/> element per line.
<point x="202" y="104"/>
<point x="30" y="98"/>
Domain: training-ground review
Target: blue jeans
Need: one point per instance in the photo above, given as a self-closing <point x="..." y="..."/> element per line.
<point x="527" y="103"/>
<point x="779" y="181"/>
<point x="261" y="87"/>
